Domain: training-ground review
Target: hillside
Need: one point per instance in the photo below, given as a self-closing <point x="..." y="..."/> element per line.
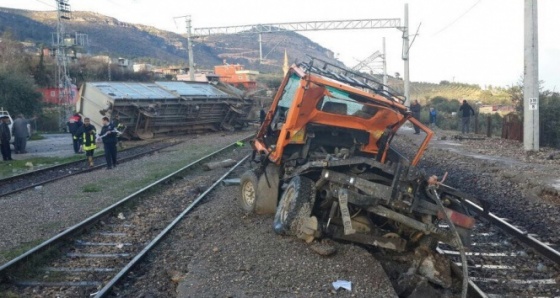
<point x="149" y="44"/>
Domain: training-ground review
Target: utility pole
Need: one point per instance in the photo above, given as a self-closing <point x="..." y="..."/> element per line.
<point x="63" y="83"/>
<point x="384" y="66"/>
<point x="531" y="79"/>
<point x="190" y="47"/>
<point x="405" y="57"/>
<point x="260" y="48"/>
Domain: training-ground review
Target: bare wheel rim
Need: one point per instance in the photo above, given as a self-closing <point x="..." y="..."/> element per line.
<point x="290" y="195"/>
<point x="248" y="194"/>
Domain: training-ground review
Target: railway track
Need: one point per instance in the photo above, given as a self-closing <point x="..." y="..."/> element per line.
<point x="507" y="261"/>
<point x="18" y="183"/>
<point x="91" y="257"/>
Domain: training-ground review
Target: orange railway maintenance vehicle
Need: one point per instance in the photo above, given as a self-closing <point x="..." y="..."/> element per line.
<point x="326" y="164"/>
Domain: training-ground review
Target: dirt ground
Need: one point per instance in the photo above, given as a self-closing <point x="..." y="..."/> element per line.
<point x="222" y="252"/>
<point x="219" y="251"/>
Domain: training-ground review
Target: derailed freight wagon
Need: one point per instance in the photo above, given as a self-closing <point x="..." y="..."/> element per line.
<point x="327" y="163"/>
<point x="148" y="109"/>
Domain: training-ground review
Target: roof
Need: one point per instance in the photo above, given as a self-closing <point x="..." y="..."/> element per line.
<point x="125" y="90"/>
<point x="158" y="90"/>
<point x="186" y="89"/>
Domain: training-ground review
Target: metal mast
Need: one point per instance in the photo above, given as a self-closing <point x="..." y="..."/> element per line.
<point x="190" y="47"/>
<point x="63" y="83"/>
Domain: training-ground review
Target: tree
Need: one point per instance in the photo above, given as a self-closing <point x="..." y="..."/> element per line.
<point x="18" y="94"/>
<point x="42" y="76"/>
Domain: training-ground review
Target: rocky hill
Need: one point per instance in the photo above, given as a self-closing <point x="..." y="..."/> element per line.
<point x="149" y="44"/>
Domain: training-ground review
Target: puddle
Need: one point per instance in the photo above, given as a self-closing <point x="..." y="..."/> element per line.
<point x="448" y="143"/>
<point x="505" y="160"/>
<point x="556" y="184"/>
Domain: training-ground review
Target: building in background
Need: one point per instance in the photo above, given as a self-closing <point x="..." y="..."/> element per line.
<point x="237" y="76"/>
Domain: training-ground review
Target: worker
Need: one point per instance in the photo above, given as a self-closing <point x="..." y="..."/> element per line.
<point x="109" y="136"/>
<point x="5" y="138"/>
<point x="415" y="108"/>
<point x="74" y="124"/>
<point x="120" y="129"/>
<point x="262" y="115"/>
<point x="87" y="131"/>
<point x="21" y="133"/>
<point x="466" y="116"/>
<point x="433" y="116"/>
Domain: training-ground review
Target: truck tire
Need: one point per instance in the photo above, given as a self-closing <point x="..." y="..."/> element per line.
<point x="295" y="205"/>
<point x="248" y="191"/>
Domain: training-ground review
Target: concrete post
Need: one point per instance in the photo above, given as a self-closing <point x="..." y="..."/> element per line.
<point x="405" y="57"/>
<point x="531" y="79"/>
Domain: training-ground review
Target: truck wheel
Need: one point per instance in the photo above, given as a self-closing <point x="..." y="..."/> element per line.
<point x="248" y="194"/>
<point x="295" y="206"/>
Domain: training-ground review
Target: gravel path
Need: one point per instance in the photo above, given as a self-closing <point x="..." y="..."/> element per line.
<point x="29" y="217"/>
<point x="219" y="251"/>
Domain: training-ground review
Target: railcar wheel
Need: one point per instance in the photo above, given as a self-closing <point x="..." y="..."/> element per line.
<point x="248" y="188"/>
<point x="295" y="206"/>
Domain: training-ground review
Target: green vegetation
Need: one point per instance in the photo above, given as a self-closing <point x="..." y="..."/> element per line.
<point x="36" y="137"/>
<point x="549" y="119"/>
<point x="91" y="188"/>
<point x="15" y="167"/>
<point x="11" y="254"/>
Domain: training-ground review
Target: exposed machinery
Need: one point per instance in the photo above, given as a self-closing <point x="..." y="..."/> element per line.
<point x="327" y="166"/>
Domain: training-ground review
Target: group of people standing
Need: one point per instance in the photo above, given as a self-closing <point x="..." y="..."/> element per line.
<point x="21" y="132"/>
<point x="85" y="138"/>
<point x="466" y="111"/>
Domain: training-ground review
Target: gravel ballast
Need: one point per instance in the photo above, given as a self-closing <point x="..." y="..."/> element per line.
<point x="32" y="216"/>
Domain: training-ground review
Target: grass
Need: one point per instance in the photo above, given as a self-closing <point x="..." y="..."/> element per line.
<point x="91" y="188"/>
<point x="36" y="137"/>
<point x="13" y="253"/>
<point x="15" y="167"/>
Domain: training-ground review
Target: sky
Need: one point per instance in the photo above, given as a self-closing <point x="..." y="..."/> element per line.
<point x="468" y="41"/>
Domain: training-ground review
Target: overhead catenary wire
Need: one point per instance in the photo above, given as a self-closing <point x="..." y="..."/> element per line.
<point x="457" y="19"/>
<point x="45" y="3"/>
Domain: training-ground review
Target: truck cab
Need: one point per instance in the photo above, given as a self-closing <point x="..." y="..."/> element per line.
<point x="327" y="165"/>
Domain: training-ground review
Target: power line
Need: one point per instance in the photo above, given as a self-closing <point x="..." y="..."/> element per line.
<point x="45" y="3"/>
<point x="457" y="19"/>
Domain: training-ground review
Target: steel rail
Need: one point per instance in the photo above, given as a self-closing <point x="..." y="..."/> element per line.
<point x="29" y="174"/>
<point x="540" y="247"/>
<point x="92" y="219"/>
<point x="107" y="288"/>
<point x="23" y="175"/>
<point x="473" y="290"/>
<point x="543" y="249"/>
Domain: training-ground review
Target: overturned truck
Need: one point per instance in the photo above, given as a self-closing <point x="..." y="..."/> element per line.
<point x="326" y="165"/>
<point x="148" y="109"/>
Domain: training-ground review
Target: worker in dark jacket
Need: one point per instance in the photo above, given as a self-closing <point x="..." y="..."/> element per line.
<point x="109" y="136"/>
<point x="5" y="137"/>
<point x="415" y="108"/>
<point x="21" y="132"/>
<point x="120" y="130"/>
<point x="74" y="124"/>
<point x="88" y="133"/>
<point x="467" y="112"/>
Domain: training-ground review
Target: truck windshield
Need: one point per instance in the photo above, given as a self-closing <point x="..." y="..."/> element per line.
<point x="289" y="92"/>
<point x="341" y="103"/>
